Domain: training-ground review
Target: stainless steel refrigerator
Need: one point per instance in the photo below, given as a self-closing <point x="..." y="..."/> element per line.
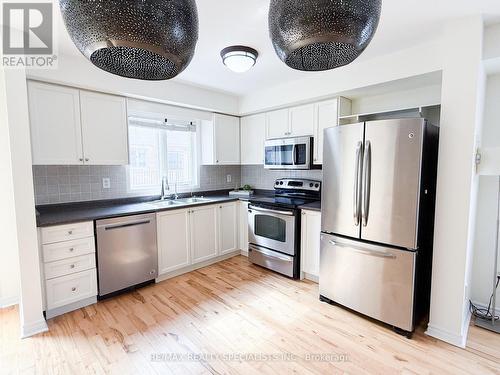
<point x="379" y="182"/>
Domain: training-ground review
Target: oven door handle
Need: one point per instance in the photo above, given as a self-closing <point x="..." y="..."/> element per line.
<point x="277" y="212"/>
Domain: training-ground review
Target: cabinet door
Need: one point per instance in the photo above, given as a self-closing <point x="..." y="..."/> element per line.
<point x="104" y="129"/>
<point x="243" y="235"/>
<point x="302" y="120"/>
<point x="173" y="240"/>
<point x="253" y="136"/>
<point x="56" y="136"/>
<point x="227" y="139"/>
<point x="277" y="124"/>
<point x="204" y="243"/>
<point x="228" y="227"/>
<point x="326" y="116"/>
<point x="311" y="230"/>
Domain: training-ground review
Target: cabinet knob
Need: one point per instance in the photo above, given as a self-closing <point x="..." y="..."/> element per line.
<point x="72" y="266"/>
<point x="73" y="289"/>
<point x="216" y="161"/>
<point x="81" y="159"/>
<point x="70" y="232"/>
<point x="87" y="159"/>
<point x="71" y="249"/>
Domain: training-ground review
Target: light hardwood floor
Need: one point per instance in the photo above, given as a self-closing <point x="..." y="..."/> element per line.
<point x="231" y="307"/>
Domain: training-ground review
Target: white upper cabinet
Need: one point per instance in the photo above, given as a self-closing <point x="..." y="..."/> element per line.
<point x="56" y="136"/>
<point x="326" y="115"/>
<point x="104" y="128"/>
<point x="302" y="120"/>
<point x="278" y="124"/>
<point x="221" y="140"/>
<point x="71" y="126"/>
<point x="290" y="122"/>
<point x="228" y="227"/>
<point x="253" y="136"/>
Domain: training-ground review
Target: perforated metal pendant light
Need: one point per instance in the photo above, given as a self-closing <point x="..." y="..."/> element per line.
<point x="314" y="35"/>
<point x="143" y="39"/>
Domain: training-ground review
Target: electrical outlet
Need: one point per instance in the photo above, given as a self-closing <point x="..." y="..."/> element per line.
<point x="229" y="178"/>
<point x="106" y="183"/>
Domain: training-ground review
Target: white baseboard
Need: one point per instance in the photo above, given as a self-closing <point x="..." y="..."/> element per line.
<point x="451" y="337"/>
<point x="31" y="329"/>
<point x="311" y="277"/>
<point x="8" y="301"/>
<point x="244" y="253"/>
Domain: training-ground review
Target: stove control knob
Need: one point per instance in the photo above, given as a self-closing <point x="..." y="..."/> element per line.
<point x="311" y="184"/>
<point x="317" y="185"/>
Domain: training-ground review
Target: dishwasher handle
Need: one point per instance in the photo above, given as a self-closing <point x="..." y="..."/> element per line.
<point x="125" y="224"/>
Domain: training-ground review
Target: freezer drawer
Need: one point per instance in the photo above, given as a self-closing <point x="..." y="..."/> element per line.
<point x="272" y="260"/>
<point x="373" y="280"/>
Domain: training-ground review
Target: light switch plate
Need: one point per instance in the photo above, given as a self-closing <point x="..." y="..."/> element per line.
<point x="106" y="183"/>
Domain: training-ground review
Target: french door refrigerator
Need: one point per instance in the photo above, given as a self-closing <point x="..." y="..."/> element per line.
<point x="379" y="182"/>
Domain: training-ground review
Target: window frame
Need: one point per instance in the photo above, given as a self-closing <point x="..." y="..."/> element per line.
<point x="196" y="159"/>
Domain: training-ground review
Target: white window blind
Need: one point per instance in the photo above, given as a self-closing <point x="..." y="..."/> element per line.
<point x="162" y="149"/>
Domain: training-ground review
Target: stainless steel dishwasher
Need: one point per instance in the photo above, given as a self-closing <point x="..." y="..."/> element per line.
<point x="127" y="253"/>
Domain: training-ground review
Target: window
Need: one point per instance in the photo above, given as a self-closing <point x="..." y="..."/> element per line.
<point x="162" y="149"/>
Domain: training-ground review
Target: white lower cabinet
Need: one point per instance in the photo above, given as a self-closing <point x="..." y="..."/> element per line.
<point x="228" y="227"/>
<point x="173" y="240"/>
<point x="204" y="242"/>
<point x="310" y="244"/>
<point x="190" y="236"/>
<point x="243" y="226"/>
<point x="69" y="267"/>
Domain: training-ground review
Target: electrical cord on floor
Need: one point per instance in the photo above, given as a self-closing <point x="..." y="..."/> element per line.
<point x="484" y="313"/>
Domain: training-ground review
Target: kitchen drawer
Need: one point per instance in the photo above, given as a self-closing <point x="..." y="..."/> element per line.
<point x="69" y="266"/>
<point x="68" y="249"/>
<point x="67" y="232"/>
<point x="72" y="288"/>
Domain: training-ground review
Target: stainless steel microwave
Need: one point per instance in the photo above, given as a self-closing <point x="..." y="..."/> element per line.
<point x="288" y="153"/>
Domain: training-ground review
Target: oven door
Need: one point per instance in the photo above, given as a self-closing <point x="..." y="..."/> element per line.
<point x="272" y="228"/>
<point x="288" y="153"/>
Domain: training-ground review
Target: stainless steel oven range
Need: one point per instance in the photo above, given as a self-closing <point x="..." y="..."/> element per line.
<point x="274" y="225"/>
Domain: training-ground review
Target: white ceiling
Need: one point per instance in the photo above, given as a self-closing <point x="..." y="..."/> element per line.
<point x="403" y="23"/>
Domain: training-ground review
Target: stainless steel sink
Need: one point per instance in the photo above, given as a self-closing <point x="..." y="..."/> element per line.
<point x="165" y="203"/>
<point x="193" y="200"/>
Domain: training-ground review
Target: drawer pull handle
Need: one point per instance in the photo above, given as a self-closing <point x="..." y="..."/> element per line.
<point x="70" y="232"/>
<point x="72" y="266"/>
<point x="73" y="289"/>
<point x="71" y="249"/>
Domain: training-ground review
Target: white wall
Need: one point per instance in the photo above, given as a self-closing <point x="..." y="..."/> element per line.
<point x="418" y="60"/>
<point x="456" y="186"/>
<point x="482" y="274"/>
<point x="79" y="72"/>
<point x="9" y="264"/>
<point x="401" y="99"/>
<point x="23" y="202"/>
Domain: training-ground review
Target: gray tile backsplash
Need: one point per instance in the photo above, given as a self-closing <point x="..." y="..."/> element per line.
<point x="62" y="184"/>
<point x="260" y="178"/>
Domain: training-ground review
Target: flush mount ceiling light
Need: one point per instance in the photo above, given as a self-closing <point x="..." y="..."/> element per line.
<point x="148" y="40"/>
<point x="315" y="35"/>
<point x="239" y="59"/>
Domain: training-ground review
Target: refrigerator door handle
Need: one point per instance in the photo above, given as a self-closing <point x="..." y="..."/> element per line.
<point x="367" y="169"/>
<point x="378" y="254"/>
<point x="357" y="184"/>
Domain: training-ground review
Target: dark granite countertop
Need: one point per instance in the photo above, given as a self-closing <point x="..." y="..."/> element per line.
<point x="67" y="213"/>
<point x="314" y="206"/>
